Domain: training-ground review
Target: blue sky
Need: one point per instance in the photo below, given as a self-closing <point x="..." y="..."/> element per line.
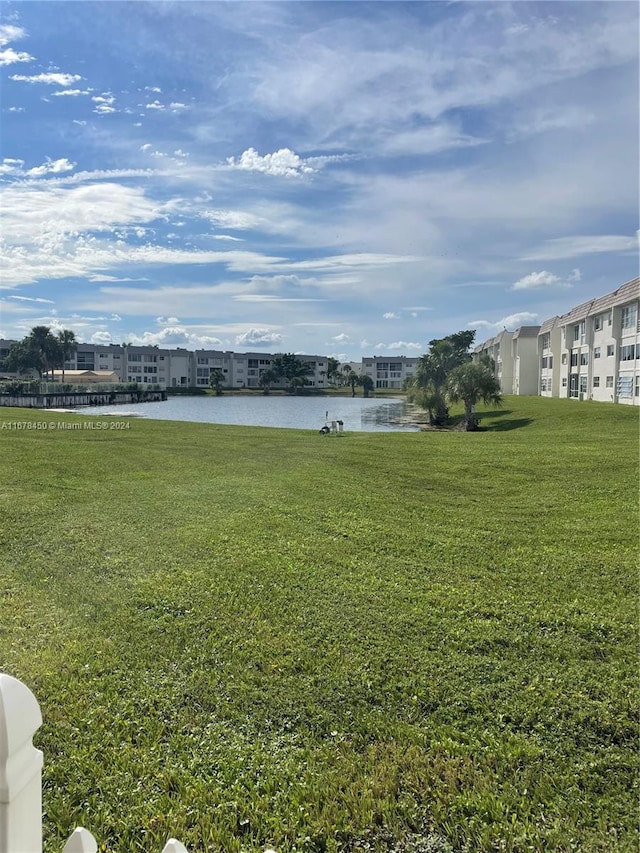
<point x="328" y="178"/>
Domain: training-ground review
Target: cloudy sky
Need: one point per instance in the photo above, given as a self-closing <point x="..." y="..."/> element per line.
<point x="327" y="178"/>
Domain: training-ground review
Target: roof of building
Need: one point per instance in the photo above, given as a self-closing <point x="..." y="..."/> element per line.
<point x="77" y="374"/>
<point x="526" y="332"/>
<point x="548" y="325"/>
<point x="627" y="292"/>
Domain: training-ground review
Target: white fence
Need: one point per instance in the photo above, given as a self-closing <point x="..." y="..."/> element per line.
<point x="21" y="778"/>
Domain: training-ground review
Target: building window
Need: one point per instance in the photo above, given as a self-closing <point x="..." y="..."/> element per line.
<point x="625" y="386"/>
<point x="564" y="381"/>
<point x="596" y="381"/>
<point x="596" y="352"/>
<point x="584" y="358"/>
<point x="134" y="357"/>
<point x="609" y="382"/>
<point x="628" y="317"/>
<point x="583" y="384"/>
<point x="636" y="392"/>
<point x="574" y="359"/>
<point x="628" y="353"/>
<point x="597" y="323"/>
<point x="564" y="358"/>
<point x="610" y="349"/>
<point x="545" y="341"/>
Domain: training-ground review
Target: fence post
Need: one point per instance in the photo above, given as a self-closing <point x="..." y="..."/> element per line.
<point x="20" y="769"/>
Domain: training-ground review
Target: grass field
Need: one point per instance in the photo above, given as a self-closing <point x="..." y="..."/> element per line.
<point x="244" y="637"/>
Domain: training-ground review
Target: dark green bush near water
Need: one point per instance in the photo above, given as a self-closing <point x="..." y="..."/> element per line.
<point x="400" y="642"/>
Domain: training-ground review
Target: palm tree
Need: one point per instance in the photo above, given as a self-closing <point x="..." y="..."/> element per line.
<point x="216" y="380"/>
<point x="429" y="385"/>
<point x="266" y="380"/>
<point x="352" y="379"/>
<point x="68" y="345"/>
<point x="46" y="348"/>
<point x="367" y="385"/>
<point x="473" y="383"/>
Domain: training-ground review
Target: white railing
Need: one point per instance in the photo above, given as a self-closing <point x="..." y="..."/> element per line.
<point x="21" y="778"/>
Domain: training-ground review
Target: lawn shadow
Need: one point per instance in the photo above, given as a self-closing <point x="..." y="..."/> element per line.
<point x="504" y="426"/>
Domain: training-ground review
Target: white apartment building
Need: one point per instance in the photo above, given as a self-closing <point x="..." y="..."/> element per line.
<point x="600" y="348"/>
<point x="549" y="338"/>
<point x="515" y="358"/>
<point x="524" y="356"/>
<point x="590" y="353"/>
<point x="389" y="372"/>
<point x="243" y="370"/>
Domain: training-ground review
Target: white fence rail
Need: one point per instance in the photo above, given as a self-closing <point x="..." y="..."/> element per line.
<point x="21" y="778"/>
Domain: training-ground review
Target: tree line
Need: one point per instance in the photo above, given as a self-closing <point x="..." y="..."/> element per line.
<point x="446" y="374"/>
<point x="41" y="351"/>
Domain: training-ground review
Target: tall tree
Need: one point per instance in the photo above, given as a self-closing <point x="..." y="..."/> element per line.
<point x="367" y="384"/>
<point x="353" y="379"/>
<point x="473" y="383"/>
<point x="68" y="345"/>
<point x="288" y="366"/>
<point x="429" y="384"/>
<point x="46" y="347"/>
<point x="333" y="369"/>
<point x="266" y="380"/>
<point x="22" y="358"/>
<point x="216" y="380"/>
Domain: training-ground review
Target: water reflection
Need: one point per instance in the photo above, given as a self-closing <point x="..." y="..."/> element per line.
<point x="359" y="414"/>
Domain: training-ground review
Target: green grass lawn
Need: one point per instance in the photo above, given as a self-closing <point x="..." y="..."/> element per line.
<point x="244" y="637"/>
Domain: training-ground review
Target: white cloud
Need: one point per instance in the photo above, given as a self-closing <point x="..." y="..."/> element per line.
<point x="11" y="166"/>
<point x="390" y="315"/>
<point x="546" y="279"/>
<point x="71" y="92"/>
<point x="10" y="56"/>
<point x="405" y="345"/>
<point x="9" y="33"/>
<point x="101" y="338"/>
<point x="283" y="163"/>
<point x="174" y="336"/>
<point x="16" y="109"/>
<point x="51" y="167"/>
<point x="511" y="321"/>
<point x="570" y="247"/>
<point x="50" y="78"/>
<point x="155" y="105"/>
<point x="176" y="106"/>
<point x="167" y="321"/>
<point x="258" y="338"/>
<point x="32" y="299"/>
<point x="341" y="338"/>
<point x="534" y="280"/>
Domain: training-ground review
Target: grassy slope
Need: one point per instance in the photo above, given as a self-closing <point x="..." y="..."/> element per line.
<point x="243" y="636"/>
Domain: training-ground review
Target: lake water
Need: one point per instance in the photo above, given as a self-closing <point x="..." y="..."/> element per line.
<point x="357" y="413"/>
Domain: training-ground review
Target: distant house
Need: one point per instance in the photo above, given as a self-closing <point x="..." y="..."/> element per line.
<point x="85" y="377"/>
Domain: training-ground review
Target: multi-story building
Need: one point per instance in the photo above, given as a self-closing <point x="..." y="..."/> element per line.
<point x="549" y="338"/>
<point x="600" y="348"/>
<point x="524" y="354"/>
<point x="591" y="352"/>
<point x="389" y="372"/>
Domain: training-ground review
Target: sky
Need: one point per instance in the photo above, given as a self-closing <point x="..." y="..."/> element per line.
<point x="345" y="179"/>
